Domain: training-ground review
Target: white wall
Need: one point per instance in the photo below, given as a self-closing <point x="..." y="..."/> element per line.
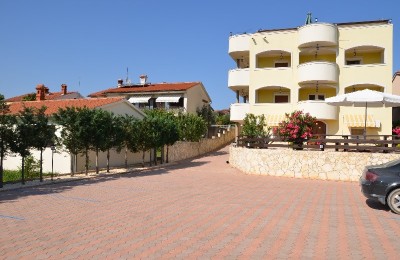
<point x="61" y="160"/>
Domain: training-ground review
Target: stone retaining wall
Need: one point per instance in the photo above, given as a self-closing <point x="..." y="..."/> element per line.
<point x="184" y="150"/>
<point x="325" y="165"/>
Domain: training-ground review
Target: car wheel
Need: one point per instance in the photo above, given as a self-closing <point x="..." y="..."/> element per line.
<point x="394" y="201"/>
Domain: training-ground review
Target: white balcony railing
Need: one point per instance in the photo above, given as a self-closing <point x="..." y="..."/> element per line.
<point x="367" y="74"/>
<point x="319" y="109"/>
<point x="239" y="111"/>
<point x="239" y="43"/>
<point x="321" y="71"/>
<point x="239" y="77"/>
<point x="324" y="34"/>
<point x="273" y="76"/>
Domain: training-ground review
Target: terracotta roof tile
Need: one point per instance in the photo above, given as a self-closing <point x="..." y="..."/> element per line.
<point x="54" y="105"/>
<point x="181" y="86"/>
<point x="49" y="96"/>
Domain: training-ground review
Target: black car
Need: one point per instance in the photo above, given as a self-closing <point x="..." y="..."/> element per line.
<point x="382" y="183"/>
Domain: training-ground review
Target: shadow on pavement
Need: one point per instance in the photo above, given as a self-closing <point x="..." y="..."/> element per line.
<point x="376" y="205"/>
<point x="54" y="188"/>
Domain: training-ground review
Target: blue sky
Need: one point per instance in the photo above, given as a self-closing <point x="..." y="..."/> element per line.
<point x="93" y="42"/>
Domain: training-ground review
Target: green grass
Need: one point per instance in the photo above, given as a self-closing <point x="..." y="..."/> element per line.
<point x="15" y="175"/>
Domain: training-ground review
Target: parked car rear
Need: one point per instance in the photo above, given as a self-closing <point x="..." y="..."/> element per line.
<point x="382" y="183"/>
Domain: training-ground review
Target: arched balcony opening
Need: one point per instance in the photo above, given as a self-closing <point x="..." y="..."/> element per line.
<point x="242" y="59"/>
<point x="316" y="92"/>
<point x="273" y="59"/>
<point x="317" y="52"/>
<point x="359" y="87"/>
<point x="361" y="55"/>
<point x="273" y="94"/>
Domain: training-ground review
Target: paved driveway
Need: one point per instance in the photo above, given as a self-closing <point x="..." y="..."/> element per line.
<point x="201" y="208"/>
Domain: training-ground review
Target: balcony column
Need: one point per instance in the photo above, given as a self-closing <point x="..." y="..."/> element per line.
<point x="237" y="96"/>
<point x="244" y="99"/>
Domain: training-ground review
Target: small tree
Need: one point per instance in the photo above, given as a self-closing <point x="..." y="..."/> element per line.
<point x="143" y="130"/>
<point x="7" y="122"/>
<point x="29" y="97"/>
<point x="86" y="131"/>
<point x="68" y="120"/>
<point x="113" y="136"/>
<point x="163" y="129"/>
<point x="170" y="132"/>
<point x="24" y="136"/>
<point x="191" y="127"/>
<point x="206" y="112"/>
<point x="129" y="134"/>
<point x="44" y="135"/>
<point x="254" y="126"/>
<point x="101" y="129"/>
<point x="296" y="128"/>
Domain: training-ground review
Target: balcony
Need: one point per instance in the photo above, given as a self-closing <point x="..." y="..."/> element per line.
<point x="324" y="34"/>
<point x="239" y="111"/>
<point x="273" y="76"/>
<point x="376" y="74"/>
<point x="238" y="78"/>
<point x="321" y="71"/>
<point x="239" y="43"/>
<point x="319" y="109"/>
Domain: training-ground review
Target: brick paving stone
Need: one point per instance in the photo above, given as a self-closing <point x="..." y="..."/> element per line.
<point x="200" y="208"/>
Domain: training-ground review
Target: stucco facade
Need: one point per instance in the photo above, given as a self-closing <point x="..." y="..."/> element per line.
<point x="282" y="70"/>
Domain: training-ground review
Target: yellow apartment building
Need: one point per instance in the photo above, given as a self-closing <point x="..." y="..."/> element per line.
<point x="282" y="70"/>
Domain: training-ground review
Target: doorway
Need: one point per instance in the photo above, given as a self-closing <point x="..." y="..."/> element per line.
<point x="319" y="128"/>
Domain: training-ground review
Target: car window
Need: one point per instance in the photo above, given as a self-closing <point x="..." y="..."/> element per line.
<point x="392" y="164"/>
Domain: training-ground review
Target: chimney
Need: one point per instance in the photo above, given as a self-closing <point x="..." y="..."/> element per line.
<point x="120" y="83"/>
<point x="143" y="79"/>
<point x="40" y="92"/>
<point x="63" y="89"/>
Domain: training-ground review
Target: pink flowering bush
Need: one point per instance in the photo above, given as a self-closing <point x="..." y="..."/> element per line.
<point x="397" y="130"/>
<point x="296" y="128"/>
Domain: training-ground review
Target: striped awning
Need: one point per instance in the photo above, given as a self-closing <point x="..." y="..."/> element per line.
<point x="139" y="99"/>
<point x="274" y="120"/>
<point x="170" y="99"/>
<point x="359" y="121"/>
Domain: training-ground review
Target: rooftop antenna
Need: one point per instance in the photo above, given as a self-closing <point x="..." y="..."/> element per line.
<point x="127" y="76"/>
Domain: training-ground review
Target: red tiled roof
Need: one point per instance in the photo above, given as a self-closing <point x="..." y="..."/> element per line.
<point x="54" y="105"/>
<point x="49" y="96"/>
<point x="157" y="87"/>
<point x="18" y="98"/>
<point x="397" y="73"/>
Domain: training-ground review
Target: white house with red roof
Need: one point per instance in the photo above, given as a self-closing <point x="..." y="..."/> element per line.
<point x="183" y="96"/>
<point x="63" y="161"/>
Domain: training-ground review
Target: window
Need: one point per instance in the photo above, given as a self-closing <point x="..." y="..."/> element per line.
<point x="357" y="132"/>
<point x="353" y="61"/>
<point x="281" y="98"/>
<point x="281" y="64"/>
<point x="316" y="97"/>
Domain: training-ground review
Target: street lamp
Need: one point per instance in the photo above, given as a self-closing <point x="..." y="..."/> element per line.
<point x="53" y="150"/>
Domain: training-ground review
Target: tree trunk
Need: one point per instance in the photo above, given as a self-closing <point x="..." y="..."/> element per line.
<point x="126" y="157"/>
<point x="72" y="164"/>
<point x="108" y="160"/>
<point x="23" y="170"/>
<point x="143" y="158"/>
<point x="41" y="165"/>
<point x="86" y="161"/>
<point x="1" y="167"/>
<point x="151" y="158"/>
<point x="167" y="153"/>
<point x="155" y="156"/>
<point x="97" y="161"/>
